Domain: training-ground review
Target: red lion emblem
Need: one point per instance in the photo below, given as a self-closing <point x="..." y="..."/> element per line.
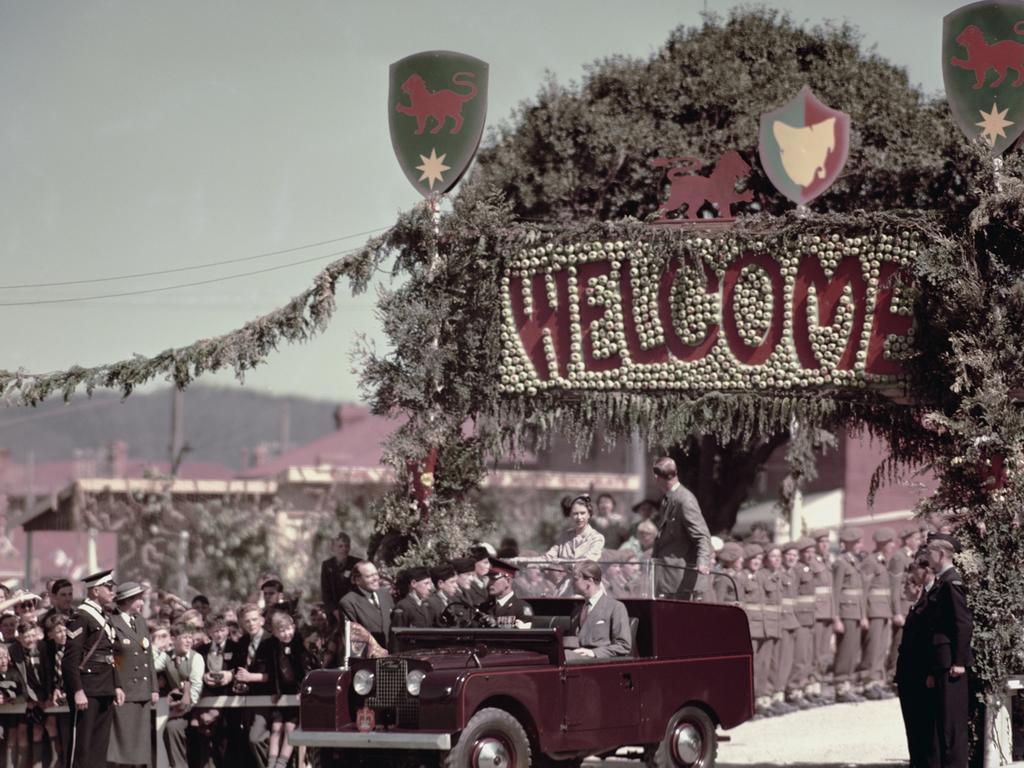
<point x="1001" y="56"/>
<point x="439" y="105"/>
<point x="693" y="191"/>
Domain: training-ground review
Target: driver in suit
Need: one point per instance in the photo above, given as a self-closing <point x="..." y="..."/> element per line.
<point x="600" y="622"/>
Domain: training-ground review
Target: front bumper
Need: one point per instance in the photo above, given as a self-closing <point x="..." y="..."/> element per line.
<point x="370" y="739"/>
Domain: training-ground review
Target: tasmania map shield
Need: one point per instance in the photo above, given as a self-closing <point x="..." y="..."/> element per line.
<point x="437" y="104"/>
<point x="803" y="146"/>
<point x="983" y="69"/>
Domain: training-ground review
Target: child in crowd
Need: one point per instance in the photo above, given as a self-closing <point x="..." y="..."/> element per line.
<point x="26" y="655"/>
<point x="58" y="726"/>
<point x="10" y="692"/>
<point x="284" y="661"/>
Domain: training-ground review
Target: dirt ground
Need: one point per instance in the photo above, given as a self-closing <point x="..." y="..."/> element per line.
<point x="866" y="734"/>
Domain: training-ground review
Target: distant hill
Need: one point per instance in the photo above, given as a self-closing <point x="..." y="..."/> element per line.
<point x="220" y="423"/>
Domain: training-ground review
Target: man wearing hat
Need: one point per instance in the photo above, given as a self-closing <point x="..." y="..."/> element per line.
<point x="881" y="605"/>
<point x="92" y="680"/>
<point x="131" y="729"/>
<point x="905" y="593"/>
<point x="503" y="604"/>
<point x="803" y="681"/>
<point x="683" y="547"/>
<point x="849" y="611"/>
<point x="950" y="627"/>
<point x="414" y="610"/>
<point x="821" y="571"/>
<point x="752" y="600"/>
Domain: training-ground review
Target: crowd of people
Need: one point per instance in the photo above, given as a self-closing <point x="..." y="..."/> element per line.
<point x="824" y="628"/>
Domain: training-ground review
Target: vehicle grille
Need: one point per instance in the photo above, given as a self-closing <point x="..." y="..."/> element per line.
<point x="390" y="696"/>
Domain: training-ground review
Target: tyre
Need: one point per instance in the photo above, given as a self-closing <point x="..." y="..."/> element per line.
<point x="689" y="742"/>
<point x="492" y="739"/>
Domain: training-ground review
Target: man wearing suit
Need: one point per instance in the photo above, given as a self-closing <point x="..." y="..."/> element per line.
<point x="414" y="609"/>
<point x="336" y="573"/>
<point x="913" y="667"/>
<point x="950" y="627"/>
<point x="130" y="733"/>
<point x="683" y="539"/>
<point x="601" y="623"/>
<point x="369" y="604"/>
<point x="92" y="679"/>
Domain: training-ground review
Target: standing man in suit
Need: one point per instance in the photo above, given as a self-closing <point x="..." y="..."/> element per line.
<point x="912" y="670"/>
<point x="336" y="573"/>
<point x="683" y="539"/>
<point x="414" y="609"/>
<point x="601" y="623"/>
<point x="369" y="604"/>
<point x="950" y="626"/>
<point x="92" y="679"/>
<point x="903" y="591"/>
<point x="131" y="730"/>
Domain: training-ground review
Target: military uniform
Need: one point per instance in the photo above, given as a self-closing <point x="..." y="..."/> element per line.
<point x="881" y="606"/>
<point x="752" y="599"/>
<point x="725" y="584"/>
<point x="772" y="585"/>
<point x="905" y="595"/>
<point x="410" y="611"/>
<point x="131" y="728"/>
<point x="821" y="573"/>
<point x="801" y="680"/>
<point x="850" y="607"/>
<point x="782" y="663"/>
<point x="89" y="666"/>
<point x="505" y="614"/>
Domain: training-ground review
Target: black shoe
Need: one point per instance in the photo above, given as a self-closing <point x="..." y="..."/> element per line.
<point x="802" y="703"/>
<point x="782" y="708"/>
<point x="848" y="698"/>
<point x="873" y="694"/>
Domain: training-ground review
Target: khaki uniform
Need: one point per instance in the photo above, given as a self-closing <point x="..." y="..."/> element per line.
<point x="905" y="595"/>
<point x="752" y="599"/>
<point x="822" y="579"/>
<point x="724" y="592"/>
<point x="782" y="658"/>
<point x="803" y="640"/>
<point x="850" y="605"/>
<point x="881" y="605"/>
<point x="772" y="586"/>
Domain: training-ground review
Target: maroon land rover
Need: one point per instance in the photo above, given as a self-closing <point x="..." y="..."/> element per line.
<point x="507" y="697"/>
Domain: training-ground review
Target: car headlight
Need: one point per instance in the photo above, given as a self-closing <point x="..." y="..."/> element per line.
<point x="413" y="681"/>
<point x="362" y="681"/>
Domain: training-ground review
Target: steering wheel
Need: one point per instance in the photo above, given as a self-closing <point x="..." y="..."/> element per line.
<point x="461" y="615"/>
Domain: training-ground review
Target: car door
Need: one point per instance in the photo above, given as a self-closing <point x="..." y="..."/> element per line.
<point x="601" y="702"/>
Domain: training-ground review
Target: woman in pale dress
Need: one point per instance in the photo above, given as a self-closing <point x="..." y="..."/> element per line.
<point x="580" y="542"/>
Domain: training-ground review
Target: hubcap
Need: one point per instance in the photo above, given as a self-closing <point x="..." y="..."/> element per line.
<point x="687" y="744"/>
<point x="490" y="752"/>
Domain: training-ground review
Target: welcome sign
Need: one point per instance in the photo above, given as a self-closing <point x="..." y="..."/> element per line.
<point x="826" y="311"/>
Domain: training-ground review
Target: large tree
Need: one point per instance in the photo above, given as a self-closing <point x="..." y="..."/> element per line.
<point x="583" y="151"/>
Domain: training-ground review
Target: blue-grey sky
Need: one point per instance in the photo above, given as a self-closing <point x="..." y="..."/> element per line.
<point x="138" y="136"/>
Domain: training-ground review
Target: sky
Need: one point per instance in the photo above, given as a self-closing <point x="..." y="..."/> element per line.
<point x="138" y="136"/>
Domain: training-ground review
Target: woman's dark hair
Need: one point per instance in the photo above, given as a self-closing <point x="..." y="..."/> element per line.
<point x="581" y="498"/>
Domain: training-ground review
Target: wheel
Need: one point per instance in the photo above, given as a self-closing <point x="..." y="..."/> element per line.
<point x="690" y="741"/>
<point x="492" y="739"/>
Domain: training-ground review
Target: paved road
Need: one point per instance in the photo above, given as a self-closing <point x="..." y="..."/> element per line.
<point x="867" y="734"/>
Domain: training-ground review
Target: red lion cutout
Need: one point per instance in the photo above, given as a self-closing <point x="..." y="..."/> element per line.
<point x="693" y="191"/>
<point x="1001" y="56"/>
<point x="439" y="105"/>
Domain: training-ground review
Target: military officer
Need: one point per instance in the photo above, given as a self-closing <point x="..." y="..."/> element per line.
<point x="92" y="680"/>
<point x="725" y="581"/>
<point x="502" y="603"/>
<point x="849" y="614"/>
<point x="752" y="598"/>
<point x="881" y="605"/>
<point x="801" y="680"/>
<point x="904" y="590"/>
<point x="821" y="571"/>
<point x="130" y="732"/>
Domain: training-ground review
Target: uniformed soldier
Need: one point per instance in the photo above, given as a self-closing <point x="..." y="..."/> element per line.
<point x="92" y="680"/>
<point x="849" y="611"/>
<point x="414" y="610"/>
<point x="725" y="581"/>
<point x="802" y="679"/>
<point x="821" y="571"/>
<point x="788" y="625"/>
<point x="752" y="598"/>
<point x="904" y="590"/>
<point x="465" y="573"/>
<point x="771" y="581"/>
<point x="131" y="729"/>
<point x="502" y="603"/>
<point x="881" y="605"/>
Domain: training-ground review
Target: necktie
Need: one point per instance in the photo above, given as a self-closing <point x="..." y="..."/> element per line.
<point x="131" y="621"/>
<point x="373" y="600"/>
<point x="585" y="612"/>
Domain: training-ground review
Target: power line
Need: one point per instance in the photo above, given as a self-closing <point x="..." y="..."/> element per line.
<point x="195" y="266"/>
<point x="175" y="287"/>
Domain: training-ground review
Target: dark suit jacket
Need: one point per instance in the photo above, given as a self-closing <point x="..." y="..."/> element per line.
<point x="438" y="605"/>
<point x="355" y="606"/>
<point x="138" y="678"/>
<point x="228" y="663"/>
<point x="38" y="684"/>
<point x="336" y="580"/>
<point x="683" y="540"/>
<point x="412" y="615"/>
<point x="240" y="657"/>
<point x="606" y="629"/>
<point x="949" y="621"/>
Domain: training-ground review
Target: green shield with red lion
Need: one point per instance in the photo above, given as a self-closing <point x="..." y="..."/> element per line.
<point x="983" y="70"/>
<point x="437" y="105"/>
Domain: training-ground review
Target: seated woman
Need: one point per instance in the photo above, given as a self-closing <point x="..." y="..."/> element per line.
<point x="581" y="541"/>
<point x="601" y="623"/>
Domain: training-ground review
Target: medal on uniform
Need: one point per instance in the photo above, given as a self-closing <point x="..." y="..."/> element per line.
<point x="366" y="720"/>
<point x="145" y="643"/>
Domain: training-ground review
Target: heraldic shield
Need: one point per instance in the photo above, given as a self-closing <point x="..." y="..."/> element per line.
<point x="437" y="104"/>
<point x="983" y="69"/>
<point x="803" y="146"/>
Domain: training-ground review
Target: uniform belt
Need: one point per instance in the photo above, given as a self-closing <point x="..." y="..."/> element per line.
<point x="773" y="608"/>
<point x="823" y="590"/>
<point x="853" y="591"/>
<point x="788" y="601"/>
<point x="805" y="599"/>
<point x="102" y="658"/>
<point x="880" y="591"/>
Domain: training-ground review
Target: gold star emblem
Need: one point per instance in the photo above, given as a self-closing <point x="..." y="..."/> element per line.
<point x="432" y="167"/>
<point x="992" y="123"/>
